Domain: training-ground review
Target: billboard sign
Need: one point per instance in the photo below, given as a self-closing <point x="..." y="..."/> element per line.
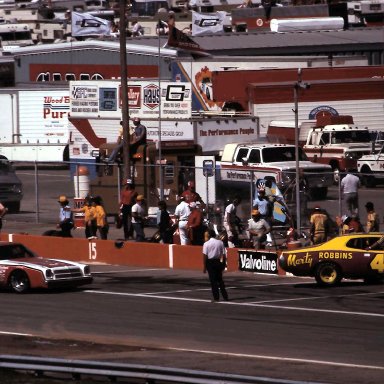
<point x="102" y="99"/>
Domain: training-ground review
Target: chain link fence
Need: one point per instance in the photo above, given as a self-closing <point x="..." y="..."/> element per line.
<point x="43" y="183"/>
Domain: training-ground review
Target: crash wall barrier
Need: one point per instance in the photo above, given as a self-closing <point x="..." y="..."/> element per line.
<point x="152" y="255"/>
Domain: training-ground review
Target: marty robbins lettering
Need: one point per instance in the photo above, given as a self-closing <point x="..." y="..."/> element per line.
<point x="258" y="261"/>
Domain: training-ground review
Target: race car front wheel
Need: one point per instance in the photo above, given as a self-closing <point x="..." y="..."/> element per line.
<point x="328" y="274"/>
<point x="19" y="282"/>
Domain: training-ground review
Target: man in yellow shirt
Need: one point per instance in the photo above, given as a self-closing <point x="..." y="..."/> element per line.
<point x="319" y="226"/>
<point x="373" y="221"/>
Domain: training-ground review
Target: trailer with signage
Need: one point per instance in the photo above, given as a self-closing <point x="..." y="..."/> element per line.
<point x="34" y="124"/>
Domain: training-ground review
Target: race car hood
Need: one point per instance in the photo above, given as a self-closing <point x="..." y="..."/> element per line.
<point x="41" y="262"/>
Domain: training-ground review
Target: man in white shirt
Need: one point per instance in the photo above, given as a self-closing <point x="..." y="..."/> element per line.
<point x="231" y="223"/>
<point x="138" y="216"/>
<point x="350" y="185"/>
<point x="182" y="213"/>
<point x="258" y="229"/>
<point x="214" y="259"/>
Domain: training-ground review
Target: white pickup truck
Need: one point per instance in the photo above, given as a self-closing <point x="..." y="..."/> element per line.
<point x="241" y="163"/>
<point x="371" y="168"/>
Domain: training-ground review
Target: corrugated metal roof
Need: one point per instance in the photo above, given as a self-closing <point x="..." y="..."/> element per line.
<point x="94" y="44"/>
<point x="292" y="42"/>
<point x="270" y="43"/>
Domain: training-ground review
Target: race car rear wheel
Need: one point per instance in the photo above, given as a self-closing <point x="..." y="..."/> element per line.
<point x="328" y="274"/>
<point x="19" y="282"/>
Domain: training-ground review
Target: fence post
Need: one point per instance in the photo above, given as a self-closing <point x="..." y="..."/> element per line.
<point x="37" y="193"/>
<point x="340" y="195"/>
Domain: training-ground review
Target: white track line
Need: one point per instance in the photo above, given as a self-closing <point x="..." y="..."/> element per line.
<point x="315" y="310"/>
<point x="16" y="334"/>
<point x="129" y="270"/>
<point x="281" y="358"/>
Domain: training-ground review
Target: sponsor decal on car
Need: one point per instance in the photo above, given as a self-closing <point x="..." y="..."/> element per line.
<point x="336" y="255"/>
<point x="293" y="260"/>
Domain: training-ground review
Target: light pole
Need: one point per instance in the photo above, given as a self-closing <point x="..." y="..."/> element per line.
<point x="161" y="194"/>
<point x="299" y="84"/>
<point x="124" y="90"/>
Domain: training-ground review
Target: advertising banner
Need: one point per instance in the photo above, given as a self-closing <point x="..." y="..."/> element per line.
<point x="258" y="261"/>
<point x="146" y="99"/>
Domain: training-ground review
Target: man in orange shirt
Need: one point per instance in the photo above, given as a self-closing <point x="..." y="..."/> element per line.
<point x="195" y="225"/>
<point x="127" y="199"/>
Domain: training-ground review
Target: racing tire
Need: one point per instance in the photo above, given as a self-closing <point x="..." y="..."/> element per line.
<point x="19" y="282"/>
<point x="328" y="274"/>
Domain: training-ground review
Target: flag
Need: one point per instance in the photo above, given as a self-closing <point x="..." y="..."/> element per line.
<point x="208" y="24"/>
<point x="179" y="39"/>
<point x="85" y="24"/>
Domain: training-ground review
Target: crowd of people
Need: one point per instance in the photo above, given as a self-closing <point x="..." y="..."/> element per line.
<point x="188" y="224"/>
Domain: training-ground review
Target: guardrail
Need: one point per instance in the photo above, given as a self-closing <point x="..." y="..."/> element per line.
<point x="148" y="373"/>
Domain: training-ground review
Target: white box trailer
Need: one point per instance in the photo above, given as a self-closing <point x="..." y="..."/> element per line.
<point x="34" y="124"/>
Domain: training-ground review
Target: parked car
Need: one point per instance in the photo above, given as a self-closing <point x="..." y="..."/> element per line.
<point x="22" y="270"/>
<point x="354" y="256"/>
<point x="11" y="190"/>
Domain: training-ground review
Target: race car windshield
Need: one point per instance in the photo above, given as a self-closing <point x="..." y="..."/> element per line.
<point x="282" y="154"/>
<point x="10" y="252"/>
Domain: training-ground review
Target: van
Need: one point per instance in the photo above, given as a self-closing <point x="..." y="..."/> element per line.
<point x="11" y="189"/>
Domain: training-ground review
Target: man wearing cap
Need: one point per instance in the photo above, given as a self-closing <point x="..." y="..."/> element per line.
<point x="319" y="226"/>
<point x="65" y="217"/>
<point x="258" y="229"/>
<point x="195" y="225"/>
<point x="182" y="212"/>
<point x="127" y="199"/>
<point x="350" y="225"/>
<point x="138" y="216"/>
<point x="190" y="195"/>
<point x="263" y="204"/>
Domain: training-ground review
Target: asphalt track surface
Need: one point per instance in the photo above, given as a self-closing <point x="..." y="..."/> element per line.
<point x="280" y="327"/>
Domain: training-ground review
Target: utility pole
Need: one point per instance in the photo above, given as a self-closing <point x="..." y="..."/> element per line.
<point x="299" y="84"/>
<point x="124" y="90"/>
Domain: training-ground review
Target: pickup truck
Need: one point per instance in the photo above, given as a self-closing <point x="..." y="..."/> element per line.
<point x="371" y="168"/>
<point x="11" y="191"/>
<point x="241" y="163"/>
<point x="335" y="141"/>
<point x="339" y="146"/>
